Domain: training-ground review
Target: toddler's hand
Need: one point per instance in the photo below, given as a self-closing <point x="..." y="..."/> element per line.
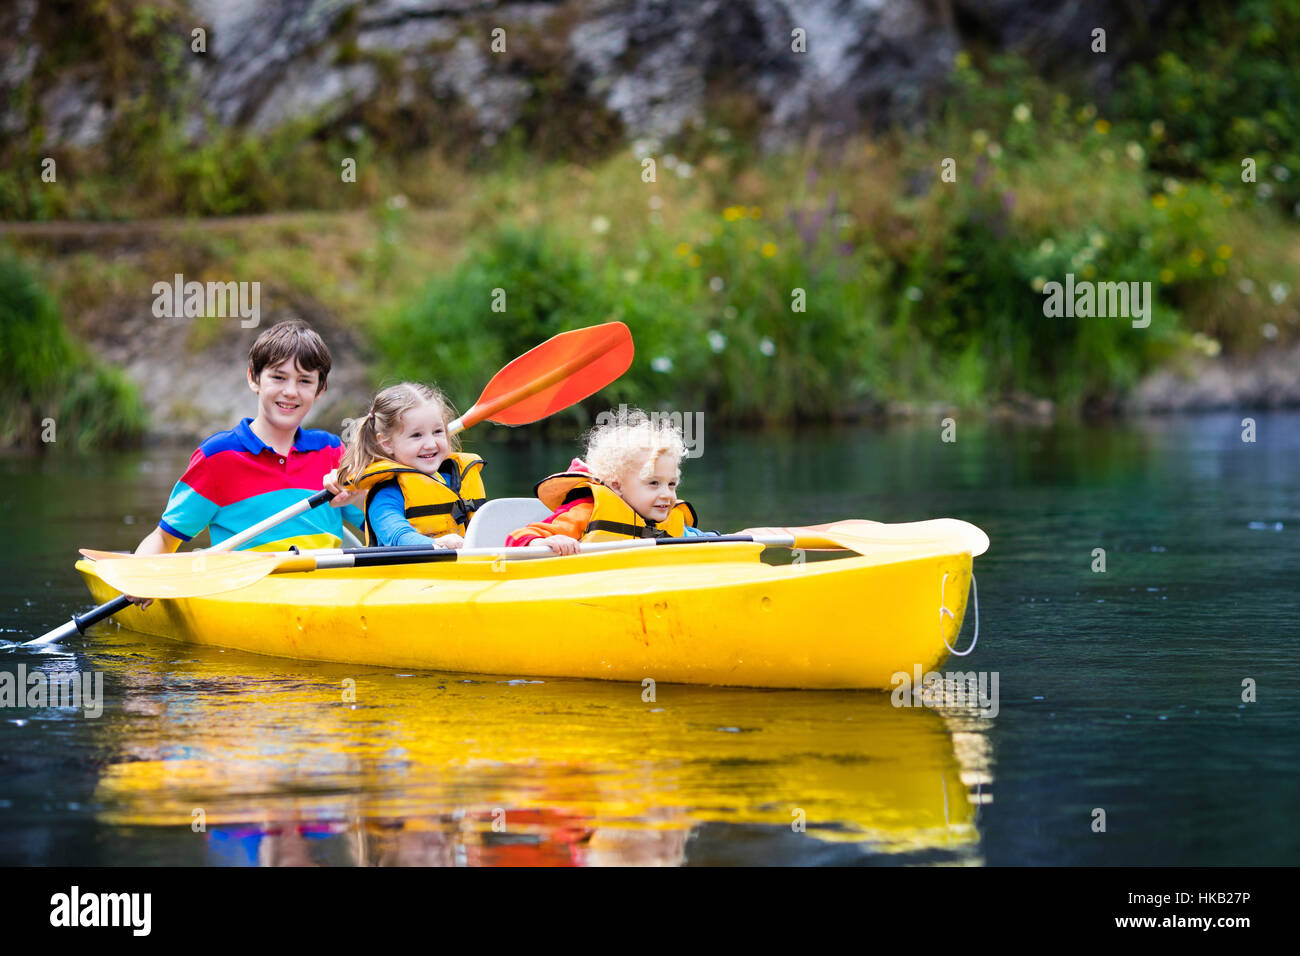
<point x="560" y="544"/>
<point x="141" y="603"/>
<point x="449" y="541"/>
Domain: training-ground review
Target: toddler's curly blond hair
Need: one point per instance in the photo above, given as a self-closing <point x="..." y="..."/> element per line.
<point x="615" y="448"/>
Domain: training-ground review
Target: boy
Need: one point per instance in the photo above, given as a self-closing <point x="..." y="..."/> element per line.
<point x="261" y="466"/>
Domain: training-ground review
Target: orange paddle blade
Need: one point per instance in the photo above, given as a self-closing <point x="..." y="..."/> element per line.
<point x="560" y="372"/>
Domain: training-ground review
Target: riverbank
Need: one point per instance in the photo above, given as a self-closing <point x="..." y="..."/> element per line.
<point x="399" y="292"/>
<point x="776" y="267"/>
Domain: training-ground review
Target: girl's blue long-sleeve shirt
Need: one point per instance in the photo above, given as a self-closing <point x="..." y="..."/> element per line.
<point x="387" y="514"/>
<point x="689" y="532"/>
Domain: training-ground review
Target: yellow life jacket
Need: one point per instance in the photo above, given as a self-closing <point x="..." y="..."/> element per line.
<point x="612" y="518"/>
<point x="432" y="507"/>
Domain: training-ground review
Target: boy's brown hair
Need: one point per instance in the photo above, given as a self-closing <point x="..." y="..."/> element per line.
<point x="290" y="340"/>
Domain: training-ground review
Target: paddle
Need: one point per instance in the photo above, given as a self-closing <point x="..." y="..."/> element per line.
<point x="563" y="370"/>
<point x="911" y="533"/>
<point x="174" y="576"/>
<point x="560" y="372"/>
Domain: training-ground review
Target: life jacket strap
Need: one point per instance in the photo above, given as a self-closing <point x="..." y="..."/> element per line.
<point x="631" y="530"/>
<point x="460" y="510"/>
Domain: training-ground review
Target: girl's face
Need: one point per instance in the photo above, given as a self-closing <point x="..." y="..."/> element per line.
<point x="651" y="496"/>
<point x="421" y="440"/>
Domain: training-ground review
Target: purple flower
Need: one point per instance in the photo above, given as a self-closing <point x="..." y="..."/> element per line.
<point x="814" y="227"/>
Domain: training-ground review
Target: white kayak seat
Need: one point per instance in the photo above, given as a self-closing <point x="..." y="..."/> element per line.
<point x="496" y="519"/>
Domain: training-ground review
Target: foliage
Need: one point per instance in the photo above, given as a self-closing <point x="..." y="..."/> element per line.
<point x="45" y="375"/>
<point x="1224" y="87"/>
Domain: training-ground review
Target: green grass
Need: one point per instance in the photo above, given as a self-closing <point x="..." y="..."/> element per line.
<point x="50" y="387"/>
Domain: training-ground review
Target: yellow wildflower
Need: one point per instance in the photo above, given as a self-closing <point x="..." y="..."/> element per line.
<point x="1218" y="268"/>
<point x="694" y="260"/>
<point x="768" y="250"/>
<point x="1224" y="252"/>
<point x="1166" y="276"/>
<point x="1196" y="257"/>
<point x="1101" y="126"/>
<point x="683" y="249"/>
<point x="1159" y="201"/>
<point x="755" y="212"/>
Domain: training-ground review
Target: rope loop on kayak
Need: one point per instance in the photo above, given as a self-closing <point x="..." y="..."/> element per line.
<point x="943" y="609"/>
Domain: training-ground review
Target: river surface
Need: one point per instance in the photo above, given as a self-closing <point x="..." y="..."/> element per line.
<point x="1146" y="714"/>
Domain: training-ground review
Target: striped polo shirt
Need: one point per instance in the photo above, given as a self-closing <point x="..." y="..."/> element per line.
<point x="234" y="480"/>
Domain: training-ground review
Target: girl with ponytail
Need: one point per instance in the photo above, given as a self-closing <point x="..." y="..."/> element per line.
<point x="418" y="483"/>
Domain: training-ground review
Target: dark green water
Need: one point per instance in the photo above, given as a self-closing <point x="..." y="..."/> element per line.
<point x="1119" y="691"/>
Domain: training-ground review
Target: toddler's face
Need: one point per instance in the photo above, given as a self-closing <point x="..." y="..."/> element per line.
<point x="651" y="496"/>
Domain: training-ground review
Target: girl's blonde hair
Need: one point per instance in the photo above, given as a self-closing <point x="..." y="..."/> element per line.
<point x="361" y="435"/>
<point x="615" y="447"/>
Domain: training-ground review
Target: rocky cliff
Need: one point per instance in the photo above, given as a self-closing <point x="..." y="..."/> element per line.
<point x="478" y="69"/>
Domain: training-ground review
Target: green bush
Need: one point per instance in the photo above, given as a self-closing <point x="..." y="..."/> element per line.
<point x="1225" y="88"/>
<point x="713" y="321"/>
<point x="980" y="304"/>
<point x="45" y="375"/>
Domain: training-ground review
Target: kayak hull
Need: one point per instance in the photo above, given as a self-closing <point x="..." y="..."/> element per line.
<point x="703" y="614"/>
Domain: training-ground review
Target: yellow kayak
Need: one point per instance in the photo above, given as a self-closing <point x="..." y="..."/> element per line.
<point x="708" y="614"/>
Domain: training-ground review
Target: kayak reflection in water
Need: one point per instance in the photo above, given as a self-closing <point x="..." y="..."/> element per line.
<point x="624" y="487"/>
<point x="520" y="837"/>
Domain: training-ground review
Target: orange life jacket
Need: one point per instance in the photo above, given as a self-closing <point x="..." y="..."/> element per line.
<point x="612" y="519"/>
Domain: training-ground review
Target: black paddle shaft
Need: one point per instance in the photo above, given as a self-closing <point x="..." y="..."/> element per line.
<point x="95" y="615"/>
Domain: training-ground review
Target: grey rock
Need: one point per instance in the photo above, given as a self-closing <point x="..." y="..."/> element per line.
<point x="653" y="63"/>
<point x="467" y="71"/>
<point x="1269" y="379"/>
<point x="73" y="113"/>
<point x="315" y="88"/>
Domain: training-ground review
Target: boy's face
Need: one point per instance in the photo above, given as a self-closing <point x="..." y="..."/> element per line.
<point x="285" y="393"/>
<point x="651" y="496"/>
